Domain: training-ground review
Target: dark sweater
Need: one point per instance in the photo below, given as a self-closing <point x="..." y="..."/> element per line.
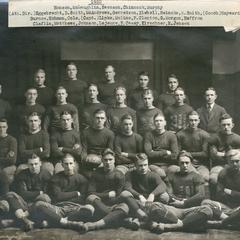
<point x="221" y="143"/>
<point x="53" y="117"/>
<point x="135" y="98"/>
<point x="229" y="179"/>
<point x="146" y="184"/>
<point x="4" y="184"/>
<point x="87" y="113"/>
<point x="195" y="142"/>
<point x="45" y="96"/>
<point x="23" y="111"/>
<point x="76" y="92"/>
<point x="106" y="92"/>
<point x="103" y="182"/>
<point x="114" y="115"/>
<point x="66" y="139"/>
<point x="8" y="144"/>
<point x="132" y="145"/>
<point x="156" y="146"/>
<point x="168" y="99"/>
<point x="5" y="109"/>
<point x="29" y="185"/>
<point x="95" y="140"/>
<point x="176" y="116"/>
<point x="31" y="143"/>
<point x="65" y="188"/>
<point x="145" y="120"/>
<point x="189" y="186"/>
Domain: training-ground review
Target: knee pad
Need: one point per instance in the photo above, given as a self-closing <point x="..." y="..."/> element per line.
<point x="11" y="195"/>
<point x="126" y="194"/>
<point x="123" y="206"/>
<point x="90" y="208"/>
<point x="43" y="197"/>
<point x="40" y="204"/>
<point x="214" y="206"/>
<point x="207" y="210"/>
<point x="162" y="214"/>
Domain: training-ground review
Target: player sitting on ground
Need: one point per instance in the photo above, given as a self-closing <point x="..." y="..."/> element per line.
<point x="195" y="140"/>
<point x="142" y="186"/>
<point x="68" y="191"/>
<point x="104" y="190"/>
<point x="30" y="186"/>
<point x="186" y="187"/>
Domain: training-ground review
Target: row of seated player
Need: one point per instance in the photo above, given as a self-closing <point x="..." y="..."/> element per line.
<point x="111" y="199"/>
<point x="160" y="145"/>
<point x="175" y="114"/>
<point x="174" y="104"/>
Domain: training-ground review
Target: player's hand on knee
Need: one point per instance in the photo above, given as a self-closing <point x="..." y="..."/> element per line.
<point x="227" y="191"/>
<point x="142" y="199"/>
<point x="112" y="194"/>
<point x="150" y="198"/>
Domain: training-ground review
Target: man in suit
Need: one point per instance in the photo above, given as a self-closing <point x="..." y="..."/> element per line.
<point x="210" y="113"/>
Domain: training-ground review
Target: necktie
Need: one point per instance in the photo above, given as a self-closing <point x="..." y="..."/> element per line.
<point x="209" y="110"/>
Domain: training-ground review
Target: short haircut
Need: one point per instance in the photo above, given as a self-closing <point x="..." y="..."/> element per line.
<point x="65" y="113"/>
<point x="99" y="111"/>
<point x="92" y="85"/>
<point x="158" y="115"/>
<point x="172" y="75"/>
<point x="120" y="88"/>
<point x="110" y="66"/>
<point x="211" y="88"/>
<point x="141" y="157"/>
<point x="40" y="70"/>
<point x="180" y="89"/>
<point x="61" y="88"/>
<point x="108" y="151"/>
<point x="126" y="116"/>
<point x="3" y="120"/>
<point x="31" y="88"/>
<point x="143" y="73"/>
<point x="192" y="113"/>
<point x="71" y="63"/>
<point x="33" y="114"/>
<point x="33" y="156"/>
<point x="66" y="155"/>
<point x="184" y="153"/>
<point x="148" y="92"/>
<point x="232" y="153"/>
<point x="225" y="116"/>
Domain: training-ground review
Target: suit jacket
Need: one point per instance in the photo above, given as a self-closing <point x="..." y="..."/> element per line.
<point x="210" y="121"/>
